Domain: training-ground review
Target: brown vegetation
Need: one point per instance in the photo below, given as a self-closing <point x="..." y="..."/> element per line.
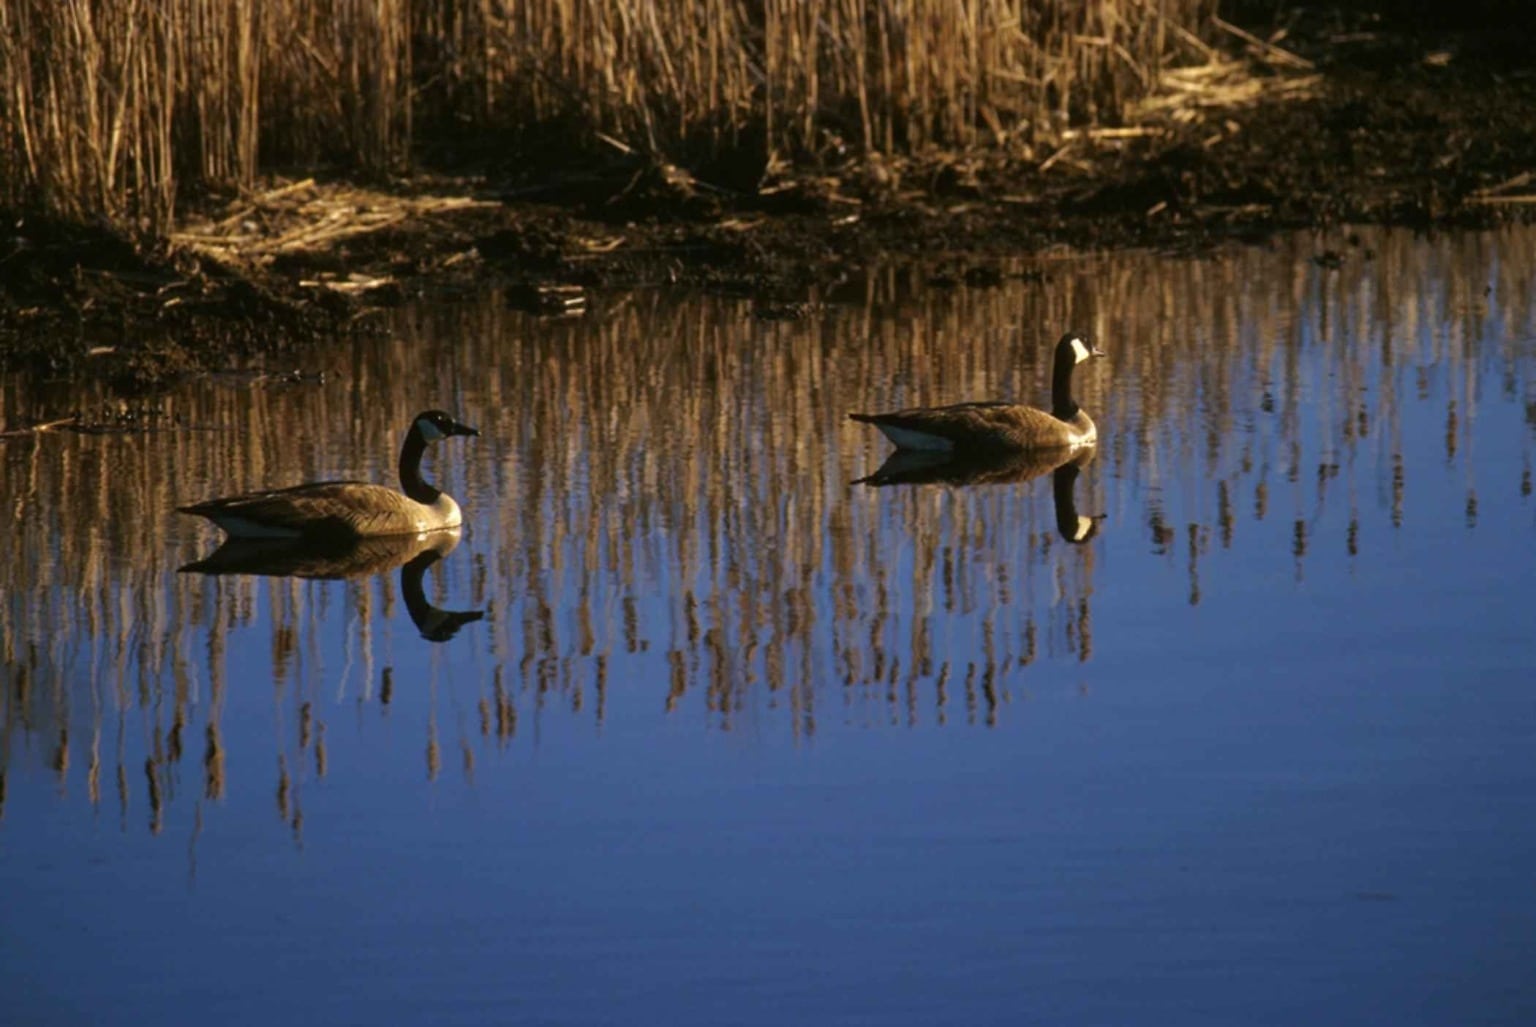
<point x="1326" y="115"/>
<point x="115" y="109"/>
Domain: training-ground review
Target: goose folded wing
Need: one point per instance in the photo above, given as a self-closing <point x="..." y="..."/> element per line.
<point x="321" y="508"/>
<point x="1006" y="425"/>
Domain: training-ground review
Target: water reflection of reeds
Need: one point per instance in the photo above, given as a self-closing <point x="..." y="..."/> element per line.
<point x="660" y="501"/>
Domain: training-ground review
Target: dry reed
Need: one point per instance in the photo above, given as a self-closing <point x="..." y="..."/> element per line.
<point x="110" y="108"/>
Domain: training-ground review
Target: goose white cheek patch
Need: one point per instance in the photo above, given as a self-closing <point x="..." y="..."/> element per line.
<point x="429" y="431"/>
<point x="1079" y="350"/>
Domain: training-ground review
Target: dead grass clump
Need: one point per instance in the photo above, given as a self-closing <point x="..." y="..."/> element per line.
<point x="305" y="217"/>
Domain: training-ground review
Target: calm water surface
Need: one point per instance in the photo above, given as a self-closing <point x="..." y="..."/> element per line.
<point x="739" y="742"/>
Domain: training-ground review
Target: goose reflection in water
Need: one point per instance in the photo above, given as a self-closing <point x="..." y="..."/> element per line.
<point x="917" y="467"/>
<point x="354" y="558"/>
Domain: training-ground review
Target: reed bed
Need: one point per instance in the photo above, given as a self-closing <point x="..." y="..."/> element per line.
<point x="113" y="108"/>
<point x="661" y="513"/>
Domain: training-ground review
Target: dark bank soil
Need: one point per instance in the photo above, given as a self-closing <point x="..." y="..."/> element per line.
<point x="1410" y="123"/>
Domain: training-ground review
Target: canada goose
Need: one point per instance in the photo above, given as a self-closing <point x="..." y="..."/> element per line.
<point x="347" y="509"/>
<point x="350" y="558"/>
<point x="915" y="467"/>
<point x="999" y="427"/>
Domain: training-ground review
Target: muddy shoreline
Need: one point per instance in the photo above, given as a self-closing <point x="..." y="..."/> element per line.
<point x="1394" y="127"/>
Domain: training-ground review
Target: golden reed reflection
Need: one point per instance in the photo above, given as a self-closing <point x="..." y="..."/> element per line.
<point x="662" y="494"/>
<point x="334" y="559"/>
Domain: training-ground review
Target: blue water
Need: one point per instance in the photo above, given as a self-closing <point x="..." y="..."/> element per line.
<point x="738" y="742"/>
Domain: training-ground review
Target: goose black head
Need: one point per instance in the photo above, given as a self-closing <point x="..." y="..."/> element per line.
<point x="436" y="424"/>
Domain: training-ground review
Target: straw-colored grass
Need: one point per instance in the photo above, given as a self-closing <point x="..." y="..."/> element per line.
<point x="110" y="108"/>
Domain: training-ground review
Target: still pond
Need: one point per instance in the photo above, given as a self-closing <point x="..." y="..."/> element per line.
<point x="690" y="725"/>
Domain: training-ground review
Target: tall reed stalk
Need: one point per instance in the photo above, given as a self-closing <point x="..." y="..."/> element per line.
<point x="109" y="107"/>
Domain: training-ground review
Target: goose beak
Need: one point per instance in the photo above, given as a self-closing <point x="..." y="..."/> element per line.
<point x="1094" y="351"/>
<point x="464" y="429"/>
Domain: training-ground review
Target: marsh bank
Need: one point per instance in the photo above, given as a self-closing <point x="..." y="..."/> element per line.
<point x="1361" y="120"/>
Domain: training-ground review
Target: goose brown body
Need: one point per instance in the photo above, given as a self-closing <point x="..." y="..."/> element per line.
<point x="347" y="509"/>
<point x="999" y="427"/>
<point x="995" y="426"/>
<point x="336" y="509"/>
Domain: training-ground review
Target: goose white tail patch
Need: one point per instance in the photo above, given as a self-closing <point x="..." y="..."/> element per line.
<point x="1080" y="350"/>
<point x="906" y="438"/>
